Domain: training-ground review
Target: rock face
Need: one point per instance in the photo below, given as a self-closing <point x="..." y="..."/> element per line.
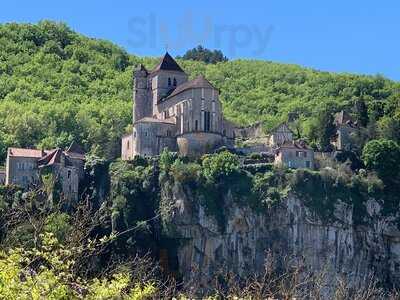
<point x="288" y="232"/>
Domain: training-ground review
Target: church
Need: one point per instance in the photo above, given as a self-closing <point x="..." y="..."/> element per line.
<point x="170" y="111"/>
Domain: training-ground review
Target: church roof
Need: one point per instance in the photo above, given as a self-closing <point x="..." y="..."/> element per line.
<point x="154" y="120"/>
<point x="167" y="63"/>
<point x="199" y="82"/>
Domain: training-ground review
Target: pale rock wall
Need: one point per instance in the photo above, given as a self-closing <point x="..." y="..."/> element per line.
<point x="338" y="248"/>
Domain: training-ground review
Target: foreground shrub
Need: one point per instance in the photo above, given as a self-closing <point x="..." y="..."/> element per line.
<point x="47" y="273"/>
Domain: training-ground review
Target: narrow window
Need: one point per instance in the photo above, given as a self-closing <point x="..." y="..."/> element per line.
<point x="69" y="174"/>
<point x="175" y="83"/>
<point x="127" y="145"/>
<point x="206" y="121"/>
<point x="308" y="164"/>
<point x="169" y="81"/>
<point x="196" y="125"/>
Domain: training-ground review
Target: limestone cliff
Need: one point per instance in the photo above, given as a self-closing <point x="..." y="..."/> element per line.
<point x="290" y="231"/>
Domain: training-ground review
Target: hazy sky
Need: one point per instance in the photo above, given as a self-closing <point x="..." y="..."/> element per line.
<point x="345" y="36"/>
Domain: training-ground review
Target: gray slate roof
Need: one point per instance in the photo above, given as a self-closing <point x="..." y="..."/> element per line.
<point x="167" y="63"/>
<point x="199" y="82"/>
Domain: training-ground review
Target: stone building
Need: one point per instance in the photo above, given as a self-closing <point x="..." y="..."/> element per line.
<point x="295" y="154"/>
<point x="24" y="167"/>
<point x="172" y="112"/>
<point x="346" y="129"/>
<point x="279" y="135"/>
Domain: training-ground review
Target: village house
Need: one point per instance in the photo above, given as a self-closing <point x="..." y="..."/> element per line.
<point x="346" y="129"/>
<point x="24" y="167"/>
<point x="288" y="152"/>
<point x="294" y="154"/>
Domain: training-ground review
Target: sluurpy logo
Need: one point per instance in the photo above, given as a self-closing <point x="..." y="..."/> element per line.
<point x="151" y="31"/>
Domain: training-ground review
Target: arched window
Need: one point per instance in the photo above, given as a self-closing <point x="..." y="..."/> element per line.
<point x="175" y="83"/>
<point x="169" y="81"/>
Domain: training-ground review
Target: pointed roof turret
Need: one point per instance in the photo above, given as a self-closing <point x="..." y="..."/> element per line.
<point x="167" y="63"/>
<point x="141" y="67"/>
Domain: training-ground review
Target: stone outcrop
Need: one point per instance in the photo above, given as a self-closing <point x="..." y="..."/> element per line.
<point x="288" y="232"/>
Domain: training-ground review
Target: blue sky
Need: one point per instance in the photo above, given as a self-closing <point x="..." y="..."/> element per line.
<point x="342" y="36"/>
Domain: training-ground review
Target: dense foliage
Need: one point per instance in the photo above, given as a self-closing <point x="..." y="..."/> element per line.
<point x="383" y="156"/>
<point x="205" y="55"/>
<point x="57" y="85"/>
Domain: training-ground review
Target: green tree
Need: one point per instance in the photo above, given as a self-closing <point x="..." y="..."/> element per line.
<point x="323" y="129"/>
<point x="205" y="55"/>
<point x="382" y="156"/>
<point x="361" y="111"/>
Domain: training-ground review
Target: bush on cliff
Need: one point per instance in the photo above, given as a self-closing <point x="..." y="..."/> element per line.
<point x="219" y="165"/>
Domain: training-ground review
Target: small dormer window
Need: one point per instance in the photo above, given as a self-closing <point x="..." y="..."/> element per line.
<point x="175" y="83"/>
<point x="169" y="81"/>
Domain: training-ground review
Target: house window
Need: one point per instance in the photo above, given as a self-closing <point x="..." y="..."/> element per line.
<point x="175" y="83"/>
<point x="169" y="81"/>
<point x="134" y="134"/>
<point x="213" y="106"/>
<point x="196" y="125"/>
<point x="127" y="145"/>
<point x="308" y="164"/>
<point x="289" y="164"/>
<point x="168" y="133"/>
<point x="69" y="173"/>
